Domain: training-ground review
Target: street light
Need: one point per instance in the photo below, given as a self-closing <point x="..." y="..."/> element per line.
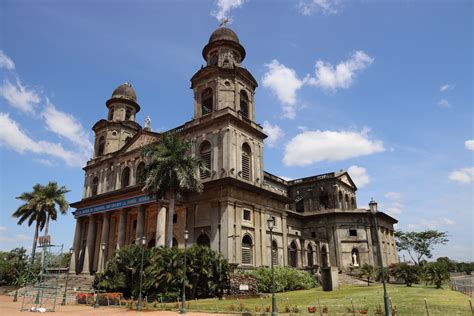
<point x="71" y="250"/>
<point x="374" y="210"/>
<point x="271" y="225"/>
<point x="183" y="301"/>
<point x="139" y="306"/>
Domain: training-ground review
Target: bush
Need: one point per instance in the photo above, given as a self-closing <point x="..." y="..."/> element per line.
<point x="409" y="274"/>
<point x="286" y="279"/>
<point x="435" y="273"/>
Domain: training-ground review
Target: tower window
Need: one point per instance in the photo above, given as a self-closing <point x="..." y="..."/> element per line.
<point x="244" y="103"/>
<point x="101" y="146"/>
<point x="353" y="232"/>
<point x="247" y="250"/>
<point x="111" y="114"/>
<point x="206" y="101"/>
<point x="213" y="60"/>
<point x="205" y="154"/>
<point x="125" y="179"/>
<point x="246" y="161"/>
<point x="95" y="186"/>
<point x="128" y="115"/>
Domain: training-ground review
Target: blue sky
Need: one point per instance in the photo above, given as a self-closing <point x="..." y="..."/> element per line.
<point x="380" y="88"/>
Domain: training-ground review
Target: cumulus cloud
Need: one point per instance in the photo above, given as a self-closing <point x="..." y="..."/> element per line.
<point x="274" y="133"/>
<point x="443" y="103"/>
<point x="67" y="126"/>
<point x="469" y="144"/>
<point x="342" y="76"/>
<point x="19" y="96"/>
<point x="224" y="7"/>
<point x="447" y="87"/>
<point x="313" y="146"/>
<point x="435" y="223"/>
<point x="359" y="175"/>
<point x="16" y="139"/>
<point x="464" y="175"/>
<point x="284" y="83"/>
<point x="308" y="7"/>
<point x="6" y="62"/>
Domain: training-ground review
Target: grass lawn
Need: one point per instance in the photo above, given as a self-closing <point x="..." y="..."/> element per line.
<point x="408" y="301"/>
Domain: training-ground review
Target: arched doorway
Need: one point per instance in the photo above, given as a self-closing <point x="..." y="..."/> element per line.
<point x="310" y="256"/>
<point x="203" y="240"/>
<point x="292" y="255"/>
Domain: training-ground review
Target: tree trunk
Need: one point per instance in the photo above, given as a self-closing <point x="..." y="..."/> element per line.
<point x="169" y="229"/>
<point x="35" y="240"/>
<point x="368" y="281"/>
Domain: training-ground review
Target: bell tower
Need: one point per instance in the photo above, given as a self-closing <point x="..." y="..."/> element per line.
<point x="120" y="126"/>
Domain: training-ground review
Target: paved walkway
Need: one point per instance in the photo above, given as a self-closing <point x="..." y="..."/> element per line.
<point x="7" y="307"/>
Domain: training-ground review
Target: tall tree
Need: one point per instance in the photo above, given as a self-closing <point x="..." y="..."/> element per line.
<point x="171" y="171"/>
<point x="40" y="206"/>
<point x="420" y="244"/>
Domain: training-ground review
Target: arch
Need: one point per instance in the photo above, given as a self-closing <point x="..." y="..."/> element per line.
<point x="213" y="60"/>
<point x="247" y="250"/>
<point x="203" y="240"/>
<point x="151" y="243"/>
<point x="95" y="186"/>
<point x="341" y="200"/>
<point x="310" y="256"/>
<point x="140" y="172"/>
<point x="246" y="161"/>
<point x="128" y="114"/>
<point x="346" y="198"/>
<point x="125" y="178"/>
<point x="101" y="146"/>
<point x="205" y="155"/>
<point x="174" y="243"/>
<point x="324" y="257"/>
<point x="274" y="251"/>
<point x="244" y="103"/>
<point x="353" y="204"/>
<point x="207" y="102"/>
<point x="293" y="255"/>
<point x="355" y="257"/>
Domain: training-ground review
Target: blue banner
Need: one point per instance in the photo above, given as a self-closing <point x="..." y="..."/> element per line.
<point x="137" y="200"/>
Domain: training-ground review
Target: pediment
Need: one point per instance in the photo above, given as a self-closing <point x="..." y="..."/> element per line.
<point x="347" y="180"/>
<point x="140" y="140"/>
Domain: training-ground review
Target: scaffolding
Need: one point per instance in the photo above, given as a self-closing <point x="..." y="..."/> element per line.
<point x="41" y="290"/>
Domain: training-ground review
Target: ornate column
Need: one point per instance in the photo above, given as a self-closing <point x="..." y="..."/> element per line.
<point x="122" y="229"/>
<point x="160" y="226"/>
<point x="76" y="245"/>
<point x="89" y="251"/>
<point x="140" y="232"/>
<point x="104" y="239"/>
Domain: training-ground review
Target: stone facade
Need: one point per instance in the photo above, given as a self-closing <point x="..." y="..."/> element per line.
<point x="318" y="222"/>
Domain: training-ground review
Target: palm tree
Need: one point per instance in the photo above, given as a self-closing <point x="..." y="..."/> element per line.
<point x="39" y="207"/>
<point x="171" y="171"/>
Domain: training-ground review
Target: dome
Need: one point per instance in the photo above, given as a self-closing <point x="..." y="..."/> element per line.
<point x="224" y="34"/>
<point x="125" y="91"/>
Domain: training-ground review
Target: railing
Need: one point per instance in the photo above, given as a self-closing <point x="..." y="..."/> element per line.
<point x="462" y="285"/>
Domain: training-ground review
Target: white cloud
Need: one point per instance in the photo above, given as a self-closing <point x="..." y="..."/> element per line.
<point x="447" y="87"/>
<point x="19" y="96"/>
<point x="67" y="126"/>
<point x="274" y="133"/>
<point x="2" y="229"/>
<point x="284" y="82"/>
<point x="313" y="146"/>
<point x="469" y="144"/>
<point x="359" y="175"/>
<point x="16" y="139"/>
<point x="342" y="76"/>
<point x="432" y="223"/>
<point x="443" y="103"/>
<point x="224" y="7"/>
<point x="394" y="203"/>
<point x="308" y="7"/>
<point x="45" y="162"/>
<point x="464" y="175"/>
<point x="6" y="62"/>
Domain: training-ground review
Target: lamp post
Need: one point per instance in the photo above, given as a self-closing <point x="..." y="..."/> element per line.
<point x="139" y="306"/>
<point x="271" y="225"/>
<point x="374" y="210"/>
<point x="71" y="250"/>
<point x="183" y="301"/>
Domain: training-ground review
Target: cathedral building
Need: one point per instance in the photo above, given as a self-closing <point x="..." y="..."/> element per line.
<point x="318" y="221"/>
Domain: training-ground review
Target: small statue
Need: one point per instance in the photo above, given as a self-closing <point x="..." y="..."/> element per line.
<point x="147" y="123"/>
<point x="354" y="259"/>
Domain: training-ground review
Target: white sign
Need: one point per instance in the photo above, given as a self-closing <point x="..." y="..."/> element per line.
<point x="243" y="287"/>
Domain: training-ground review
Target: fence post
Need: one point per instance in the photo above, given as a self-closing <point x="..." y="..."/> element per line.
<point x="470" y="304"/>
<point x="426" y="307"/>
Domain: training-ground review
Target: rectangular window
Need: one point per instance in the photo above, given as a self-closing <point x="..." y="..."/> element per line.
<point x="247" y="215"/>
<point x="313" y="234"/>
<point x="245" y="166"/>
<point x="353" y="232"/>
<point x="206" y="158"/>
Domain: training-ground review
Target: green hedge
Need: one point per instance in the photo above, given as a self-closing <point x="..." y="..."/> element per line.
<point x="286" y="279"/>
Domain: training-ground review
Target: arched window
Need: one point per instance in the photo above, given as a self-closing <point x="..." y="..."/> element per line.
<point x="300" y="206"/>
<point x="203" y="240"/>
<point x="324" y="257"/>
<point x="125" y="179"/>
<point x="347" y="202"/>
<point x="355" y="257"/>
<point x="246" y="162"/>
<point x="275" y="252"/>
<point x="206" y="101"/>
<point x="205" y="155"/>
<point x="324" y="200"/>
<point x="140" y="173"/>
<point x="244" y="103"/>
<point x="151" y="243"/>
<point x="353" y="203"/>
<point x="128" y="114"/>
<point x="341" y="200"/>
<point x="247" y="250"/>
<point x="310" y="256"/>
<point x="95" y="186"/>
<point x="101" y="146"/>
<point x="111" y="114"/>
<point x="175" y="243"/>
<point x="213" y="60"/>
<point x="292" y="255"/>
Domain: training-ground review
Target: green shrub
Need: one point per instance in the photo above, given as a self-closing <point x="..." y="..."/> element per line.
<point x="435" y="273"/>
<point x="286" y="279"/>
<point x="409" y="274"/>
